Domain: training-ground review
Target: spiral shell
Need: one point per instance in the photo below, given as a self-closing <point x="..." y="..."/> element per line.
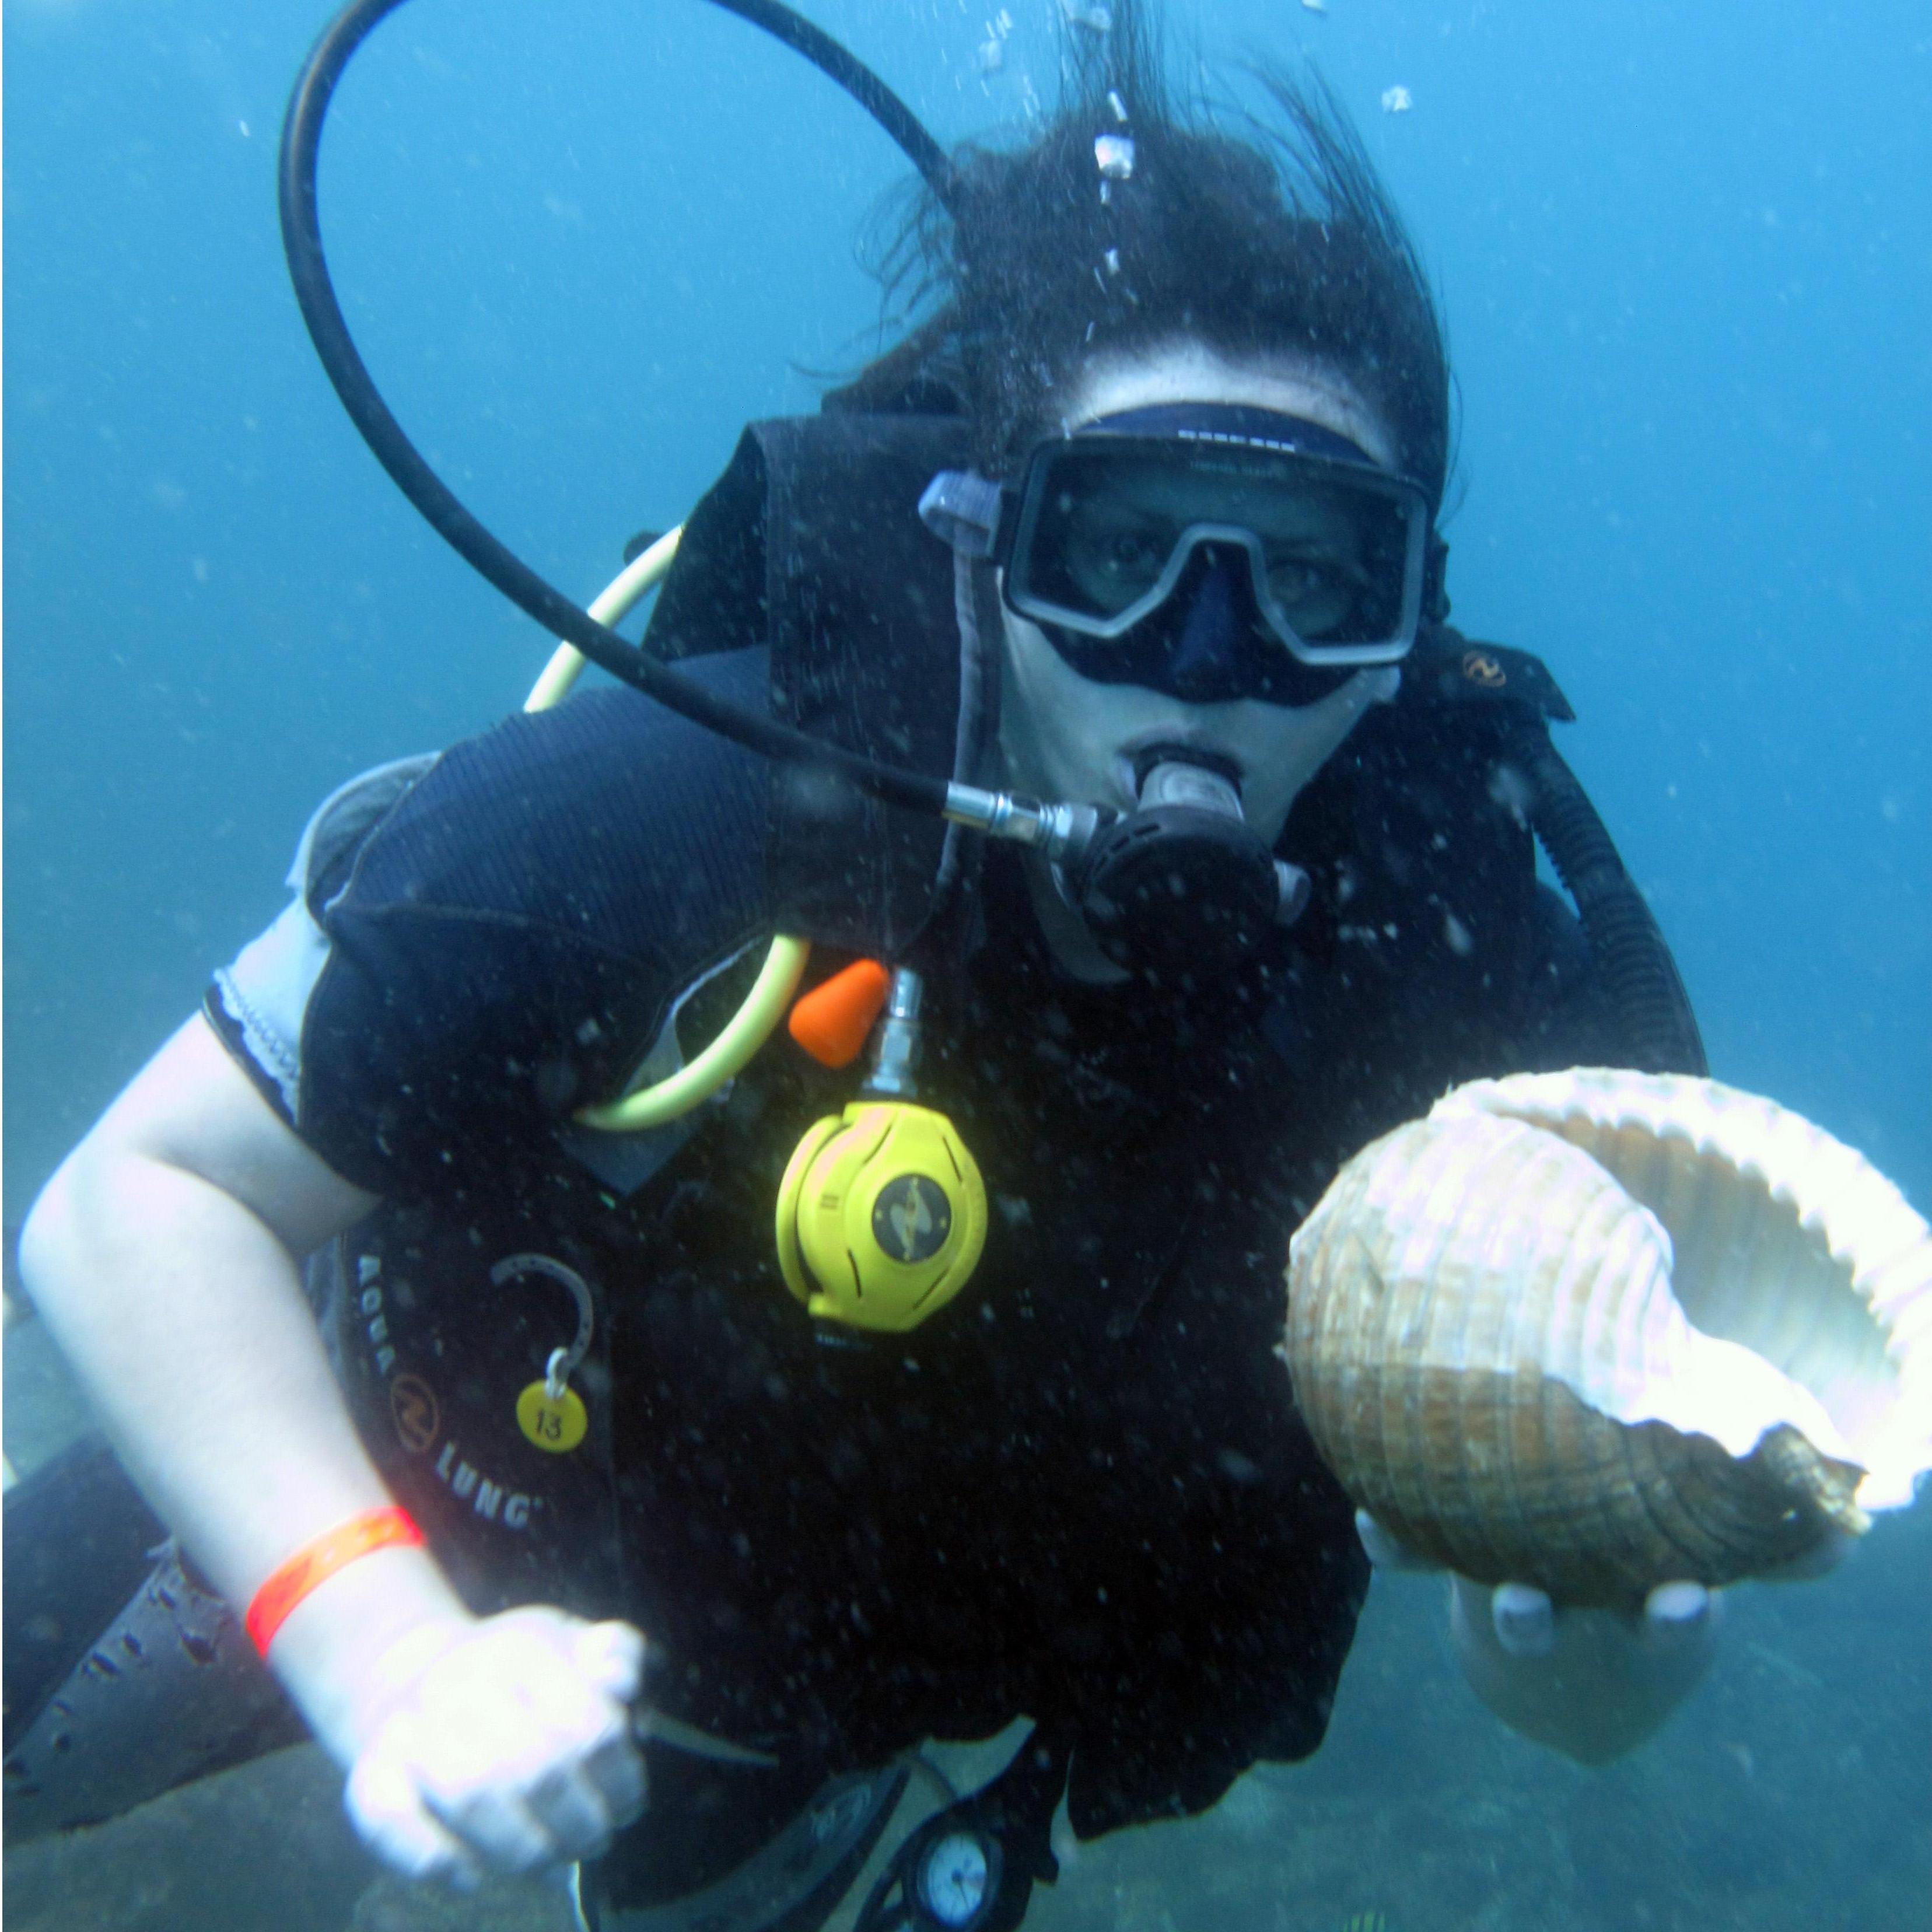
<point x="1597" y="1330"/>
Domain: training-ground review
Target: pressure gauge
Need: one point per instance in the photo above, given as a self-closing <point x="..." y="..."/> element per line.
<point x="958" y="1875"/>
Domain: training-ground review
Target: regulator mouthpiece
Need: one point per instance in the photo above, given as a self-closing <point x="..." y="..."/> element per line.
<point x="1183" y="887"/>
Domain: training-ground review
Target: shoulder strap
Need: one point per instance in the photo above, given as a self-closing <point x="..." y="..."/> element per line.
<point x="1448" y="669"/>
<point x="811" y="542"/>
<point x="1450" y="675"/>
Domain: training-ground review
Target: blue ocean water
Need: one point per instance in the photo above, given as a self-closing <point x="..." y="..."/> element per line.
<point x="1685" y="254"/>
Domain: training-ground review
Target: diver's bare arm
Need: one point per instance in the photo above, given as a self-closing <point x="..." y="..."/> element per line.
<point x="162" y="1257"/>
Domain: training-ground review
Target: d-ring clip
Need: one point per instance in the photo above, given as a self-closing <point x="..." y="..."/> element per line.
<point x="563" y="1363"/>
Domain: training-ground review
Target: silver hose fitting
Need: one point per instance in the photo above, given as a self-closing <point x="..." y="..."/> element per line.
<point x="895" y="1040"/>
<point x="1062" y="832"/>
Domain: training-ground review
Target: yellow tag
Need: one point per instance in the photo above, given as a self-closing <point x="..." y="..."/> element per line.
<point x="554" y="1426"/>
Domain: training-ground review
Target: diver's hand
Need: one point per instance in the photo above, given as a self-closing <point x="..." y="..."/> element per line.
<point x="1675" y="1615"/>
<point x="1592" y="1684"/>
<point x="501" y="1745"/>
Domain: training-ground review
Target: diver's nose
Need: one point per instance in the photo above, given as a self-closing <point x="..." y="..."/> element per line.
<point x="1205" y="665"/>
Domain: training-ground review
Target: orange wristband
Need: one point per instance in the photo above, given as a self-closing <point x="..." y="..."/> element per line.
<point x="315" y="1563"/>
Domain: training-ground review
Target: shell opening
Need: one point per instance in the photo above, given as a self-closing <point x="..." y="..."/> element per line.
<point x="1804" y="1275"/>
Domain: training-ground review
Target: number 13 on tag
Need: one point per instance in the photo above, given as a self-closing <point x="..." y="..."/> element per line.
<point x="555" y="1423"/>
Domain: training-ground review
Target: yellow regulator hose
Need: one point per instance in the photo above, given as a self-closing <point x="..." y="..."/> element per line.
<point x="764" y="1007"/>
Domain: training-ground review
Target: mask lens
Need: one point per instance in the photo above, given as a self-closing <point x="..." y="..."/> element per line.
<point x="1104" y="534"/>
<point x="1107" y="524"/>
<point x="1338" y="574"/>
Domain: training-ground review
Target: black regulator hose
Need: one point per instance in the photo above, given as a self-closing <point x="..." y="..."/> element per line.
<point x="559" y="615"/>
<point x="1638" y="972"/>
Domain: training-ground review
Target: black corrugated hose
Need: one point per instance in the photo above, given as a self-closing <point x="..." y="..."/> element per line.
<point x="308" y="271"/>
<point x="1638" y="972"/>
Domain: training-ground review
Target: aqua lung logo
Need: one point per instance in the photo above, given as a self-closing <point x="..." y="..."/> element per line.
<point x="419" y="1422"/>
<point x="418" y="1417"/>
<point x="1480" y="668"/>
<point x="911" y="1218"/>
<point x="377" y="1326"/>
<point x="492" y="1501"/>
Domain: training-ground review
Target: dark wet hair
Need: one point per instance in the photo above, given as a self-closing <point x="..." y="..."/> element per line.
<point x="1250" y="233"/>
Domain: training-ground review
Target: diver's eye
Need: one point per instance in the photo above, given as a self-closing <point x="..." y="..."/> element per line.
<point x="1114" y="561"/>
<point x="1316" y="592"/>
<point x="1132" y="553"/>
<point x="1296" y="580"/>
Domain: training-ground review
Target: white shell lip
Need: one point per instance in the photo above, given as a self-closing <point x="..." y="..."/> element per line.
<point x="1822" y="1321"/>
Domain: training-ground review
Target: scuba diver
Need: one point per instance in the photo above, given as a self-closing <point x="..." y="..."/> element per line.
<point x="553" y="1410"/>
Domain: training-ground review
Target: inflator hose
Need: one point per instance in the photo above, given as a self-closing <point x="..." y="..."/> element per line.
<point x="1638" y="972"/>
<point x="559" y="615"/>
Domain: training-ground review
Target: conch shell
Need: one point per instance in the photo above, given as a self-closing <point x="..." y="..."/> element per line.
<point x="1598" y="1330"/>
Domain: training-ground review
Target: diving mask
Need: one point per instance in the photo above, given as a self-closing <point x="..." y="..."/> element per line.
<point x="1105" y="527"/>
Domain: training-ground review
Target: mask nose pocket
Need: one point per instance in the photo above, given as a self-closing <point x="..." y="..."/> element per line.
<point x="1206" y="661"/>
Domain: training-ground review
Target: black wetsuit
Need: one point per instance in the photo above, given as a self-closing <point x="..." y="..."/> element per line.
<point x="1081" y="1492"/>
